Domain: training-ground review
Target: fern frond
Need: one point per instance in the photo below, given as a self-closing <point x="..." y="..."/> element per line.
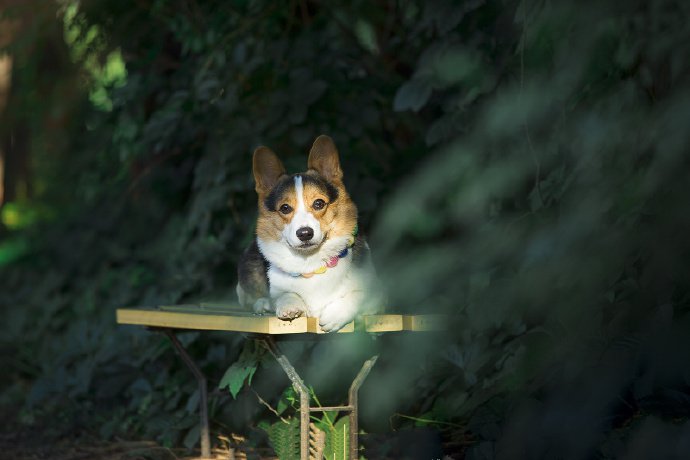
<point x="284" y="438"/>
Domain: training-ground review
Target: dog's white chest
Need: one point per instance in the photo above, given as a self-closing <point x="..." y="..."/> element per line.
<point x="318" y="290"/>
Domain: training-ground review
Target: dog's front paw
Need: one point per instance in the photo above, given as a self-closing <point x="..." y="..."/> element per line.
<point x="289" y="312"/>
<point x="262" y="305"/>
<point x="289" y="307"/>
<point x="334" y="317"/>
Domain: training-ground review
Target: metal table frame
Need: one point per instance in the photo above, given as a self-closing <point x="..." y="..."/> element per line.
<point x="220" y="317"/>
<point x="298" y="384"/>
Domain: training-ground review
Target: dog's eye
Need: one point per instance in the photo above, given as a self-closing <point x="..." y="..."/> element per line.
<point x="286" y="209"/>
<point x="318" y="204"/>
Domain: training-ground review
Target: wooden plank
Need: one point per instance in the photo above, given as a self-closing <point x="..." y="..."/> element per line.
<point x="219" y="317"/>
<point x="299" y="325"/>
<point x="277" y="326"/>
<point x="382" y="323"/>
<point x="213" y="321"/>
<point x="425" y="323"/>
<point x="205" y="308"/>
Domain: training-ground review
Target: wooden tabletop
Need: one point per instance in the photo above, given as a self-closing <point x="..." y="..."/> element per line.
<point x="222" y="317"/>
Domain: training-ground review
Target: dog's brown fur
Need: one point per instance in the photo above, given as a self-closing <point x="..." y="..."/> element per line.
<point x="337" y="218"/>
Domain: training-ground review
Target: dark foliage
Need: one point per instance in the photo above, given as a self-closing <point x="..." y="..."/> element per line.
<point x="520" y="165"/>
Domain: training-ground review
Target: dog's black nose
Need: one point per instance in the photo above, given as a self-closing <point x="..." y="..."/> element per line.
<point x="305" y="233"/>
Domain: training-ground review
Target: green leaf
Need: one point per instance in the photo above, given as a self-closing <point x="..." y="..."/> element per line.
<point x="192" y="436"/>
<point x="243" y="369"/>
<point x="287" y="399"/>
<point x="456" y="66"/>
<point x="193" y="402"/>
<point x="338" y="440"/>
<point x="366" y="36"/>
<point x="412" y="95"/>
<point x="284" y="438"/>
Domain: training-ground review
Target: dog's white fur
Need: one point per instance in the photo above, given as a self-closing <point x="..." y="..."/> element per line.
<point x="335" y="297"/>
<point x="337" y="294"/>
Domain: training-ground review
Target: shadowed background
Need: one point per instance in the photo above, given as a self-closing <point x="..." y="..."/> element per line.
<point x="522" y="166"/>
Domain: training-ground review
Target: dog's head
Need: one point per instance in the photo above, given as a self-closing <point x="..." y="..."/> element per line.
<point x="303" y="210"/>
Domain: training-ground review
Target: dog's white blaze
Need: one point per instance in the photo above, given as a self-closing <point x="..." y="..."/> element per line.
<point x="299" y="190"/>
<point x="301" y="218"/>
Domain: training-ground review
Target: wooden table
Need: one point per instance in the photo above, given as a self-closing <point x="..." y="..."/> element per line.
<point x="231" y="318"/>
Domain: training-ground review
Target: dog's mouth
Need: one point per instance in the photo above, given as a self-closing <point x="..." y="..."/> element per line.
<point x="309" y="246"/>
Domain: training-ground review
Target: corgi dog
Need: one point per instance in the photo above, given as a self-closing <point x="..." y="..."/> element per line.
<point x="308" y="258"/>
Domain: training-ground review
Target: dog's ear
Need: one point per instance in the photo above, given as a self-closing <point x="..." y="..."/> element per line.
<point x="323" y="158"/>
<point x="267" y="169"/>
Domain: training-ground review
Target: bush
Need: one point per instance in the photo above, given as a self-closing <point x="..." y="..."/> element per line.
<point x="521" y="167"/>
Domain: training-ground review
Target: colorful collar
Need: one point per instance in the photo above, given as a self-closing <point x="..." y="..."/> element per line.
<point x="333" y="261"/>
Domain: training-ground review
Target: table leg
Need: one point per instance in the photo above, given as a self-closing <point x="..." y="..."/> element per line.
<point x="303" y="391"/>
<point x="353" y="402"/>
<point x="203" y="393"/>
